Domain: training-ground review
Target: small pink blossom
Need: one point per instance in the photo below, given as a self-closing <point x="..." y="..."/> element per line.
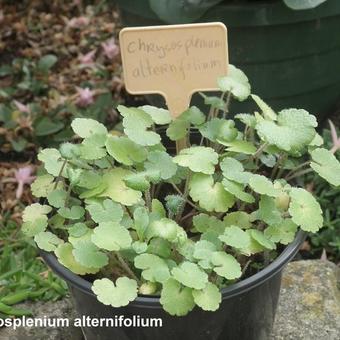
<point x="78" y="22"/>
<point x="21" y="107"/>
<point x="335" y="138"/>
<point x="85" y="96"/>
<point x="111" y="49"/>
<point x="22" y="177"/>
<point x="87" y="58"/>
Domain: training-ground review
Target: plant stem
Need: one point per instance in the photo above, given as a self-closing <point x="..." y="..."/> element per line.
<point x="227" y="104"/>
<point x="245" y="267"/>
<point x="188" y="201"/>
<point x="59" y="175"/>
<point x="290" y="173"/>
<point x="126" y="267"/>
<point x="301" y="173"/>
<point x="276" y="167"/>
<point x="259" y="150"/>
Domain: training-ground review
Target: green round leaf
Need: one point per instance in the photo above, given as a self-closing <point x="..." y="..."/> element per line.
<point x="211" y="196"/>
<point x="111" y="236"/>
<point x="208" y="298"/>
<point x="175" y="299"/>
<point x="118" y="294"/>
<point x="87" y="127"/>
<point x="305" y="210"/>
<point x="88" y="255"/>
<point x="154" y="268"/>
<point x="125" y="151"/>
<point x="190" y="275"/>
<point x="226" y="265"/>
<point x="235" y="82"/>
<point x="198" y="159"/>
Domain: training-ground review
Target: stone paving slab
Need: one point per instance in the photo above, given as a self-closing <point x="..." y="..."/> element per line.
<point x="309" y="308"/>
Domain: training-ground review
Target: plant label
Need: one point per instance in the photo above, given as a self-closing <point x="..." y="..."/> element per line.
<point x="174" y="61"/>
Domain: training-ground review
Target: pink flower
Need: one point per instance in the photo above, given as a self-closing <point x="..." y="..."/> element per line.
<point x="111" y="49"/>
<point x="78" y="22"/>
<point x="87" y="58"/>
<point x="335" y="138"/>
<point x="21" y="107"/>
<point x="85" y="96"/>
<point x="23" y="176"/>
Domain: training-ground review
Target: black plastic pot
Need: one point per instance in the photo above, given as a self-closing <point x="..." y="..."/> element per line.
<point x="246" y="313"/>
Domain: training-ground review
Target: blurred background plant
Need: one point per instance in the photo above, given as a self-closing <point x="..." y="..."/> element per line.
<point x="326" y="243"/>
<point x="56" y="64"/>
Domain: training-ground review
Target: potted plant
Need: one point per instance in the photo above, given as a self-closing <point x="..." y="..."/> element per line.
<point x="266" y="37"/>
<point x="197" y="240"/>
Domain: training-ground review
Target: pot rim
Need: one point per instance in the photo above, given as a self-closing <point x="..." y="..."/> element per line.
<point x="149" y="301"/>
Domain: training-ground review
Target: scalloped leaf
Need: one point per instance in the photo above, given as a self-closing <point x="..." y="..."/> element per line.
<point x="226" y="265"/>
<point x="202" y="251"/>
<point x="164" y="228"/>
<point x="210" y="196"/>
<point x="87" y="127"/>
<point x="268" y="211"/>
<point x="161" y="161"/>
<point x="203" y="222"/>
<point x="326" y="165"/>
<point x="219" y="129"/>
<point x="237" y="190"/>
<point x="305" y="210"/>
<point x="233" y="170"/>
<point x="247" y="119"/>
<point x="235" y="82"/>
<point x="116" y="188"/>
<point x="239" y="146"/>
<point x="47" y="241"/>
<point x="190" y="275"/>
<point x="267" y="111"/>
<point x="35" y="219"/>
<point x="125" y="151"/>
<point x="87" y="254"/>
<point x="111" y="236"/>
<point x="140" y="181"/>
<point x="180" y="126"/>
<point x="74" y="213"/>
<point x="159" y="116"/>
<point x="294" y="129"/>
<point x="57" y="198"/>
<point x="64" y="253"/>
<point x="235" y="237"/>
<point x="52" y="160"/>
<point x="117" y="294"/>
<point x="136" y="123"/>
<point x="198" y="159"/>
<point x="175" y="299"/>
<point x="238" y="218"/>
<point x="106" y="211"/>
<point x="208" y="298"/>
<point x="262" y="185"/>
<point x="283" y="232"/>
<point x="42" y="185"/>
<point x="154" y="268"/>
<point x="261" y="239"/>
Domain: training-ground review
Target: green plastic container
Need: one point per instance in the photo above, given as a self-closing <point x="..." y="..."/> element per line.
<point x="292" y="58"/>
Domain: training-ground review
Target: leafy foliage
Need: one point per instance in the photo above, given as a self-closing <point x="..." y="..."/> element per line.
<point x="182" y="226"/>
